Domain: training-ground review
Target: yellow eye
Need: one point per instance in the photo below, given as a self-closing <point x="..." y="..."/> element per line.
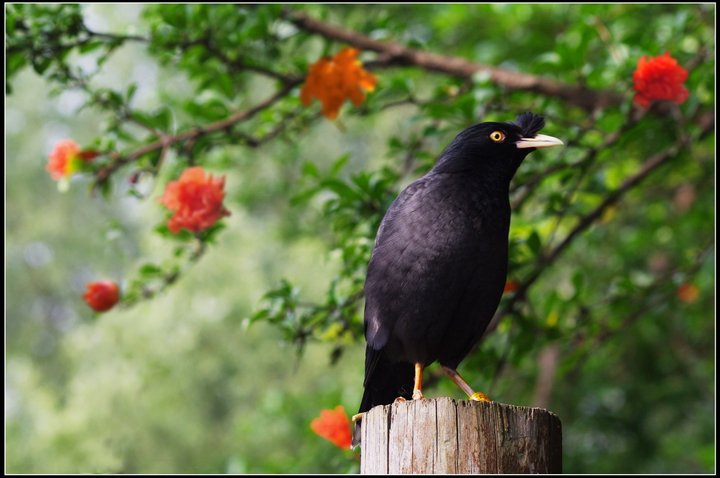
<point x="497" y="136"/>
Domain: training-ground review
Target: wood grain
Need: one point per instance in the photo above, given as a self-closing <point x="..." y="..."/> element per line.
<point x="443" y="436"/>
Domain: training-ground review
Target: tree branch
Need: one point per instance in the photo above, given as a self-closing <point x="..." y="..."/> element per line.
<point x="119" y="160"/>
<point x="239" y="65"/>
<point x="394" y="54"/>
<point x="547" y="359"/>
<point x="704" y="119"/>
<point x="116" y="37"/>
<point x="607" y="332"/>
<point x="707" y="124"/>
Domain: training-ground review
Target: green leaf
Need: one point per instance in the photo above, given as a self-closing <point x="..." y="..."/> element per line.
<point x="90" y="46"/>
<point x="339" y="164"/>
<point x="149" y="270"/>
<point x="304" y="196"/>
<point x="310" y="169"/>
<point x="339" y="187"/>
<point x="130" y="92"/>
<point x="533" y="242"/>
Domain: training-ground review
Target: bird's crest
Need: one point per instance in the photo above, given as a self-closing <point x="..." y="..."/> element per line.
<point x="530" y="124"/>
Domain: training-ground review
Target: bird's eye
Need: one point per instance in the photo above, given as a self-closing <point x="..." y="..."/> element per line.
<point x="497" y="136"/>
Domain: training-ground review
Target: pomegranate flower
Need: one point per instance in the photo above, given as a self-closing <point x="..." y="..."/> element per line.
<point x="334" y="80"/>
<point x="66" y="158"/>
<point x="102" y="296"/>
<point x="659" y="78"/>
<point x="688" y="292"/>
<point x="196" y="200"/>
<point x="334" y="426"/>
<point x="510" y="286"/>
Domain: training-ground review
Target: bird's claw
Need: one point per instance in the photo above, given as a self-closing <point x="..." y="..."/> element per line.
<point x="400" y="399"/>
<point x="357" y="417"/>
<point x="480" y="397"/>
<point x="417" y="395"/>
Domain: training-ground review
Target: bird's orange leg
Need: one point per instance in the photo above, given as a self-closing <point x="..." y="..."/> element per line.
<point x="417" y="386"/>
<point x="455" y="377"/>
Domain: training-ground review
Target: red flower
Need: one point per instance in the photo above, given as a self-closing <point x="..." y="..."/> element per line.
<point x="510" y="286"/>
<point x="66" y="158"/>
<point x="196" y="200"/>
<point x="102" y="295"/>
<point x="334" y="426"/>
<point x="334" y="80"/>
<point x="688" y="292"/>
<point x="61" y="157"/>
<point x="659" y="78"/>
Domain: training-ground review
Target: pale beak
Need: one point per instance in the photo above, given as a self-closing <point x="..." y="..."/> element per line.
<point x="539" y="141"/>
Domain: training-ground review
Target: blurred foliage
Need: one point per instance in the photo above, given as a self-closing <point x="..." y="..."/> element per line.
<point x="223" y="371"/>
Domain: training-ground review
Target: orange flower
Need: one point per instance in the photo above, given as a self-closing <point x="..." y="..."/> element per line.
<point x="334" y="80"/>
<point x="659" y="78"/>
<point x="196" y="200"/>
<point x="102" y="295"/>
<point x="66" y="158"/>
<point x="334" y="426"/>
<point x="510" y="286"/>
<point x="688" y="293"/>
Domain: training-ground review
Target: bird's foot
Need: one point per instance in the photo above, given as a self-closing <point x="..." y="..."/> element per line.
<point x="417" y="395"/>
<point x="480" y="397"/>
<point x="357" y="417"/>
<point x="400" y="399"/>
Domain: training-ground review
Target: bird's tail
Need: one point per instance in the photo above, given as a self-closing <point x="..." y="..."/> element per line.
<point x="384" y="382"/>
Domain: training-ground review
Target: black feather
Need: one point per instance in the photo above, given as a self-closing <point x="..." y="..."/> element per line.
<point x="530" y="124"/>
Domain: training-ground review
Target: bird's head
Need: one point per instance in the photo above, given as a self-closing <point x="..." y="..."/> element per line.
<point x="495" y="150"/>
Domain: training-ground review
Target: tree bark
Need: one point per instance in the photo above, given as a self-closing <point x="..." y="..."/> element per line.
<point x="445" y="436"/>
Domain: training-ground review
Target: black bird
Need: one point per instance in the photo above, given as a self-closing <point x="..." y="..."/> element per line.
<point x="439" y="264"/>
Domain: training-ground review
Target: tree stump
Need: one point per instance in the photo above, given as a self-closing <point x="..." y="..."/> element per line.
<point x="442" y="435"/>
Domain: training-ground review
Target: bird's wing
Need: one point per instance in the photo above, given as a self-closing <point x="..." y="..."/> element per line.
<point x="388" y="244"/>
<point x="423" y="257"/>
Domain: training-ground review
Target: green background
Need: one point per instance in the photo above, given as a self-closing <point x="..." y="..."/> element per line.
<point x="187" y="383"/>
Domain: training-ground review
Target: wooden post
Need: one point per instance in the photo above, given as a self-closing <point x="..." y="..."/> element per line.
<point x="444" y="436"/>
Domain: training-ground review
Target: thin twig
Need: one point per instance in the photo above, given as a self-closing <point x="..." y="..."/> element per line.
<point x="119" y="160"/>
<point x="239" y="65"/>
<point x="115" y="37"/>
<point x="648" y="167"/>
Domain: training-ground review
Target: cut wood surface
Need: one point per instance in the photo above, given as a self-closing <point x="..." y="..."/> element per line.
<point x="442" y="435"/>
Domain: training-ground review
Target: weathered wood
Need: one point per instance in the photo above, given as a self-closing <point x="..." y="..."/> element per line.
<point x="445" y="436"/>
